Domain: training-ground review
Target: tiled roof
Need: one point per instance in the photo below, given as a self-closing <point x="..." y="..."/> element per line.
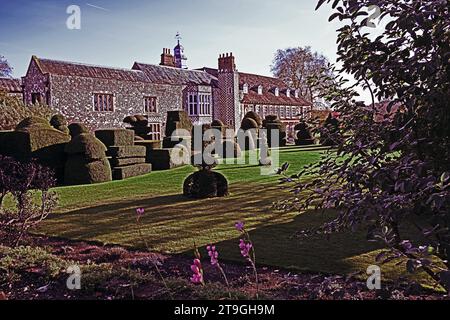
<point x="268" y="97"/>
<point x="269" y="84"/>
<point x="11" y="85"/>
<point x="174" y="76"/>
<point x="89" y="71"/>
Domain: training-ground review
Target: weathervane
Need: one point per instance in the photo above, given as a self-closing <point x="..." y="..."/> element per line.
<point x="178" y="37"/>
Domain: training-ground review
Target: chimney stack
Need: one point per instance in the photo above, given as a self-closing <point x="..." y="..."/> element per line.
<point x="167" y="58"/>
<point x="227" y="63"/>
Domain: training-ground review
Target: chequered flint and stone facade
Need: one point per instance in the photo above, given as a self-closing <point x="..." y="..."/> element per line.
<point x="77" y="90"/>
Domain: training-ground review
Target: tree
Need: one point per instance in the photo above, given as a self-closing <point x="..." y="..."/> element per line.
<point x="295" y="66"/>
<point x="394" y="166"/>
<point x="5" y="68"/>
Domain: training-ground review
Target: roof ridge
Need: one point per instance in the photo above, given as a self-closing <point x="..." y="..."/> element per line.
<point x="87" y="64"/>
<point x="169" y="67"/>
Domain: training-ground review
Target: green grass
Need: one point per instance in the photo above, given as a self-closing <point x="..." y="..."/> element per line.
<point x="106" y="213"/>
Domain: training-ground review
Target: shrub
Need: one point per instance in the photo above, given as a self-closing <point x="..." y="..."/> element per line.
<point x="59" y="122"/>
<point x="115" y="137"/>
<point x="217" y="124"/>
<point x="304" y="136"/>
<point x="330" y="134"/>
<point x="273" y="123"/>
<point x="13" y="110"/>
<point x="34" y="138"/>
<point x="77" y="128"/>
<point x="29" y="185"/>
<point x="87" y="145"/>
<point x="249" y="123"/>
<point x="86" y="162"/>
<point x="253" y="115"/>
<point x="205" y="184"/>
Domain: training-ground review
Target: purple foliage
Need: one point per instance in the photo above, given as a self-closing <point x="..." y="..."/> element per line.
<point x="394" y="164"/>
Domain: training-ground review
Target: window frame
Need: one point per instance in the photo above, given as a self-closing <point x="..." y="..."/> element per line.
<point x="107" y="102"/>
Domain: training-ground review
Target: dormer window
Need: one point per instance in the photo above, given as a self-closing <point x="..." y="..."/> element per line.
<point x="277" y="92"/>
<point x="288" y="93"/>
<point x="260" y="90"/>
<point x="296" y="93"/>
<point x="245" y="88"/>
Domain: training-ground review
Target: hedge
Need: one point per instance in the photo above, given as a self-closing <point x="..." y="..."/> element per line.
<point x="135" y="170"/>
<point x="126" y="151"/>
<point x="80" y="171"/>
<point x="115" y="137"/>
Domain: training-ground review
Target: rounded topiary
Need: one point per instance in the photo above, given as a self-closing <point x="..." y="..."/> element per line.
<point x="304" y="135"/>
<point x="217" y="123"/>
<point x="249" y="123"/>
<point x="59" y="122"/>
<point x="30" y="122"/>
<point x="141" y="120"/>
<point x="76" y="129"/>
<point x="87" y="145"/>
<point x="271" y="118"/>
<point x="253" y="115"/>
<point x="130" y="120"/>
<point x="205" y="184"/>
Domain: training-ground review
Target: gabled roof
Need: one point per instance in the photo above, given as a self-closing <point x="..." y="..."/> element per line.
<point x="10" y="85"/>
<point x="174" y="76"/>
<point x="65" y="68"/>
<point x="268" y="97"/>
<point x="269" y="84"/>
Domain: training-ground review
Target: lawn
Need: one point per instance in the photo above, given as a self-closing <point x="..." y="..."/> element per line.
<point x="105" y="213"/>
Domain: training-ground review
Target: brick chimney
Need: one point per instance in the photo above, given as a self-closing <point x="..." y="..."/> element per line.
<point x="227" y="63"/>
<point x="167" y="58"/>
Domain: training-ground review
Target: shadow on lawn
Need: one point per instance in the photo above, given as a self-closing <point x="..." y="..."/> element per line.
<point x="173" y="223"/>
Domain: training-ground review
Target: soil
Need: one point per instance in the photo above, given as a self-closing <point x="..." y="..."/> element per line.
<point x="273" y="284"/>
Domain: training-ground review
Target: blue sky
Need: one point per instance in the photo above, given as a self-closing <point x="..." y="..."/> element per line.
<point x="117" y="33"/>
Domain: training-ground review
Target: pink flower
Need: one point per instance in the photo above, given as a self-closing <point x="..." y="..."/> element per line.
<point x="213" y="254"/>
<point x="245" y="248"/>
<point x="239" y="226"/>
<point x="140" y="212"/>
<point x="196" y="268"/>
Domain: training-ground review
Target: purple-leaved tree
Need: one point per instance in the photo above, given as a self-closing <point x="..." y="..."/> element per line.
<point x="5" y="68"/>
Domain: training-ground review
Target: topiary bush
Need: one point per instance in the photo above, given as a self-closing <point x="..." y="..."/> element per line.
<point x="60" y="123"/>
<point x="86" y="162"/>
<point x="115" y="137"/>
<point x="253" y="115"/>
<point x="330" y="134"/>
<point x="204" y="184"/>
<point x="304" y="135"/>
<point x="34" y="138"/>
<point x="77" y="128"/>
<point x="249" y="123"/>
<point x="270" y="123"/>
<point x="13" y="110"/>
